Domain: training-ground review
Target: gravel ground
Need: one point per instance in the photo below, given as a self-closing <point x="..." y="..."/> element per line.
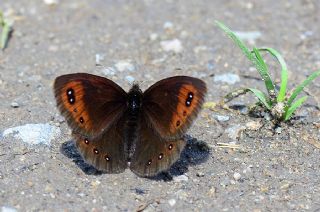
<point x="262" y="167"/>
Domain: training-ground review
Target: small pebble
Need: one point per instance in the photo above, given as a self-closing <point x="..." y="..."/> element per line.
<point x="172" y="45"/>
<point x="8" y="209"/>
<point x="168" y="25"/>
<point x="236" y="176"/>
<point x="172" y="202"/>
<point x="51" y="2"/>
<point x="212" y="192"/>
<point x="153" y="36"/>
<point x="200" y="174"/>
<point x="253" y="125"/>
<point x="180" y="178"/>
<point x="130" y="79"/>
<point x="15" y="104"/>
<point x="234" y="132"/>
<point x="278" y="130"/>
<point x="221" y="118"/>
<point x="99" y="59"/>
<point x="34" y="133"/>
<point x="124" y="65"/>
<point x="227" y="78"/>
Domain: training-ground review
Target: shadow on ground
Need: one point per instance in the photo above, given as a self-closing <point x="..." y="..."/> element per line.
<point x="195" y="152"/>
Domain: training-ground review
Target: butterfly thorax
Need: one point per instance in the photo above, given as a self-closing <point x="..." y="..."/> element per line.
<point x="134" y="100"/>
<point x="134" y="103"/>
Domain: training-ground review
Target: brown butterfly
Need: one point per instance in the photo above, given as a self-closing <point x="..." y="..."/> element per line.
<point x="112" y="127"/>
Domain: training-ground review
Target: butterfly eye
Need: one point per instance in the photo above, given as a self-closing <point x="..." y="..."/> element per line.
<point x="95" y="151"/>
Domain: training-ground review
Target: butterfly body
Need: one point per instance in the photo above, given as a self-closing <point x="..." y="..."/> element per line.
<point x="113" y="127"/>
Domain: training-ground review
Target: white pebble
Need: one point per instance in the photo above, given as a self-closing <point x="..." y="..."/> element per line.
<point x="168" y="25"/>
<point x="124" y="65"/>
<point x="99" y="59"/>
<point x="51" y="2"/>
<point x="34" y="133"/>
<point x="236" y="176"/>
<point x="221" y="118"/>
<point x="172" y="45"/>
<point x="180" y="178"/>
<point x="8" y="209"/>
<point x="153" y="36"/>
<point x="172" y="202"/>
<point x="15" y="104"/>
<point x="227" y="78"/>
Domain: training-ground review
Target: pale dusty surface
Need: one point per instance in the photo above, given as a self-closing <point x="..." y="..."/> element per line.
<point x="267" y="169"/>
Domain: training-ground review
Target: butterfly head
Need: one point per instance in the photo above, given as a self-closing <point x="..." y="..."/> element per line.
<point x="134" y="99"/>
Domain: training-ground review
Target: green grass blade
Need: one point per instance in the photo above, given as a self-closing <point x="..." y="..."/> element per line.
<point x="262" y="97"/>
<point x="259" y="94"/>
<point x="1" y="18"/>
<point x="239" y="42"/>
<point x="252" y="57"/>
<point x="294" y="107"/>
<point x="263" y="70"/>
<point x="298" y="89"/>
<point x="284" y="73"/>
<point x="5" y="35"/>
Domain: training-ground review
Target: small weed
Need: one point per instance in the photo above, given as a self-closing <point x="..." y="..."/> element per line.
<point x="277" y="102"/>
<point x="6" y="26"/>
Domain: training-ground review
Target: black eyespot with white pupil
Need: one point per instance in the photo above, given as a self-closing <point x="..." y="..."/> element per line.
<point x="95" y="151"/>
<point x="189" y="99"/>
<point x="149" y="162"/>
<point x="81" y="120"/>
<point x="86" y="141"/>
<point x="160" y="156"/>
<point x="71" y="96"/>
<point x="107" y="158"/>
<point x="170" y="147"/>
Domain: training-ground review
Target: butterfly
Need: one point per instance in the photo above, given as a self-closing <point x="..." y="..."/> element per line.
<point x="114" y="129"/>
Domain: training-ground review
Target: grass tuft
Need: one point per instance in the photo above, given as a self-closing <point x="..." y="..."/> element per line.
<point x="278" y="103"/>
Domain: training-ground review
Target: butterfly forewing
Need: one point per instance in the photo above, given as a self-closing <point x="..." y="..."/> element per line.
<point x="171" y="105"/>
<point x="90" y="104"/>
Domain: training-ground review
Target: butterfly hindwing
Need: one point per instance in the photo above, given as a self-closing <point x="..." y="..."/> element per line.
<point x="171" y="104"/>
<point x="89" y="103"/>
<point x="154" y="154"/>
<point x="105" y="152"/>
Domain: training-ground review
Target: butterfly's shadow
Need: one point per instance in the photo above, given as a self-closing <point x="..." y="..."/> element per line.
<point x="195" y="152"/>
<point x="69" y="149"/>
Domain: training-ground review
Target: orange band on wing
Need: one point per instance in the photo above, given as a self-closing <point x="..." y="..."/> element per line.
<point x="72" y="96"/>
<point x="188" y="100"/>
